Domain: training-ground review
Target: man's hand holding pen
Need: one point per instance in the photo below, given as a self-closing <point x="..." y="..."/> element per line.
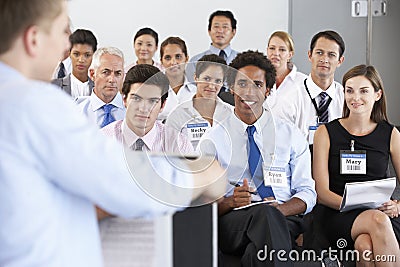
<point x="241" y="195"/>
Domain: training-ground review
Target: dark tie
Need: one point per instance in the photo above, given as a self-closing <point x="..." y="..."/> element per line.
<point x="108" y="118"/>
<point x="61" y="72"/>
<point x="139" y="144"/>
<point x="323" y="107"/>
<point x="222" y="54"/>
<point x="254" y="160"/>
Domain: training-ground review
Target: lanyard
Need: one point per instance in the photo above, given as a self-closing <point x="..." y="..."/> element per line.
<point x="319" y="111"/>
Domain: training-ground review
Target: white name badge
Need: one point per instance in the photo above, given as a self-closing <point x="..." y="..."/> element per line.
<point x="353" y="162"/>
<point x="311" y="132"/>
<point x="275" y="176"/>
<point x="196" y="130"/>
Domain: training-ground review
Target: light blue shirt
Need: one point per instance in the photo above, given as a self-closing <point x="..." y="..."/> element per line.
<point x="54" y="165"/>
<point x="191" y="65"/>
<point x="92" y="107"/>
<point x="281" y="145"/>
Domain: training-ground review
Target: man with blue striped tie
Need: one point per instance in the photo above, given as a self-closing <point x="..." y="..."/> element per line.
<point x="278" y="169"/>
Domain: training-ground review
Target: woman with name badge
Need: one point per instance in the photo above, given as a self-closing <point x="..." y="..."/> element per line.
<point x="205" y="109"/>
<point x="356" y="148"/>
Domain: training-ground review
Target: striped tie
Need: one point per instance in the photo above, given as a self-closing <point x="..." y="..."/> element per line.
<point x="323" y="107"/>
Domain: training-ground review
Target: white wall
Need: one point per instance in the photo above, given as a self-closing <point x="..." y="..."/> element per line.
<point x="115" y="22"/>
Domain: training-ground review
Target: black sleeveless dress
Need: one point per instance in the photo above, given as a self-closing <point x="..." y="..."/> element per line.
<point x="377" y="145"/>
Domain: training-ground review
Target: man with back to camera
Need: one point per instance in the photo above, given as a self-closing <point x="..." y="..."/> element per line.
<point x="83" y="45"/>
<point x="277" y="153"/>
<point x="320" y="98"/>
<point x="54" y="165"/>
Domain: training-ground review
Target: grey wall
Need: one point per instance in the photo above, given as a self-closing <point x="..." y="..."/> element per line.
<point x="115" y="22"/>
<point x="311" y="16"/>
<point x="385" y="56"/>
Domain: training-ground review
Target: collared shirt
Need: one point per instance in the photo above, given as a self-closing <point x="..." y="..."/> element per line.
<point x="185" y="114"/>
<point x="191" y="65"/>
<point x="298" y="108"/>
<point x="281" y="146"/>
<point x="185" y="93"/>
<point x="292" y="82"/>
<point x="79" y="88"/>
<point x="54" y="166"/>
<point x="92" y="107"/>
<point x="160" y="138"/>
<point x="155" y="64"/>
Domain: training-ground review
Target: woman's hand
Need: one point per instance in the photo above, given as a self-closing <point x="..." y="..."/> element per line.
<point x="390" y="208"/>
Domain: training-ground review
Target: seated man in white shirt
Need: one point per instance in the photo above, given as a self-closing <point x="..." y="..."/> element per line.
<point x="83" y="45"/>
<point x="145" y="91"/>
<point x="278" y="167"/>
<point x="105" y="105"/>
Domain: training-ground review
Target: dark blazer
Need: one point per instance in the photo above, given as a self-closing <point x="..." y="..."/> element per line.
<point x="65" y="84"/>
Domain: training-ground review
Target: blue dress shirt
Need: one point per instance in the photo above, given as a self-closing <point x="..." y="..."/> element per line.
<point x="54" y="166"/>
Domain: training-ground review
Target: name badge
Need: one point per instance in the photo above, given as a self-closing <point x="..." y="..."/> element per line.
<point x="274" y="176"/>
<point x="196" y="130"/>
<point x="311" y="132"/>
<point x="353" y="162"/>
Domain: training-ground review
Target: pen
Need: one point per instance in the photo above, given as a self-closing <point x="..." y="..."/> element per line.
<point x="237" y="185"/>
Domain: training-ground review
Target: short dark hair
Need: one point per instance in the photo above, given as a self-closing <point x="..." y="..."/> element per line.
<point x="252" y="58"/>
<point x="81" y="36"/>
<point x="330" y="35"/>
<point x="148" y="31"/>
<point x="225" y="13"/>
<point x="208" y="60"/>
<point x="149" y="74"/>
<point x="378" y="113"/>
<point x="173" y="40"/>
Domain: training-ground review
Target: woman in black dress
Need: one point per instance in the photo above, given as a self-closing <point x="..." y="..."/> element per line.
<point x="363" y="128"/>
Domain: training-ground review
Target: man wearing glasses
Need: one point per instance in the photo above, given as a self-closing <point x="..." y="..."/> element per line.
<point x="276" y="154"/>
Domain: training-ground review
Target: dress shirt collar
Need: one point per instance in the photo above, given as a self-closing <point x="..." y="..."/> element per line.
<point x="187" y="86"/>
<point x="227" y="50"/>
<point x="315" y="90"/>
<point x="77" y="81"/>
<point x="97" y="103"/>
<point x="259" y="124"/>
<point x="130" y="137"/>
<point x="293" y="72"/>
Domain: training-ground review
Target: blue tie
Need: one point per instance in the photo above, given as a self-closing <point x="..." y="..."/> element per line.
<point x="254" y="159"/>
<point x="108" y="118"/>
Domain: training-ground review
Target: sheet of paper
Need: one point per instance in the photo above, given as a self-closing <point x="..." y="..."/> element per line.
<point x="137" y="242"/>
<point x="371" y="194"/>
<point x="255" y="203"/>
